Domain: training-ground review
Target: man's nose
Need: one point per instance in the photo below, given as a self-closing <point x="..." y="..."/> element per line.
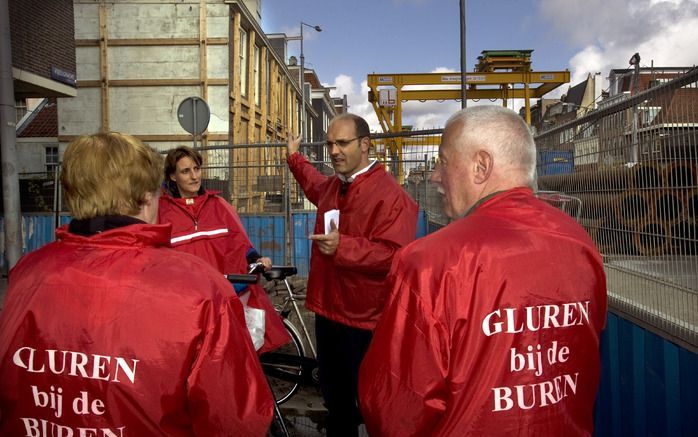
<point x="435" y="176"/>
<point x="334" y="150"/>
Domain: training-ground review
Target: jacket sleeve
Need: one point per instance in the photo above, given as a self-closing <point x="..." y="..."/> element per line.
<point x="402" y="382"/>
<point x="308" y="177"/>
<point x="232" y="220"/>
<point x="394" y="226"/>
<point x="227" y="391"/>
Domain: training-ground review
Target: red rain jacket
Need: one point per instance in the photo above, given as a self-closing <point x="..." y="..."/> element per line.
<point x="112" y="332"/>
<point x="377" y="217"/>
<point x="208" y="227"/>
<point x="492" y="328"/>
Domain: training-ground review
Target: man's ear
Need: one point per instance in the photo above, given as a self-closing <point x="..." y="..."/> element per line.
<point x="148" y="198"/>
<point x="365" y="144"/>
<point x="483" y="164"/>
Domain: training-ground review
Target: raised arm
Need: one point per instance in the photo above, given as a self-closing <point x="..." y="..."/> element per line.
<point x="310" y="179"/>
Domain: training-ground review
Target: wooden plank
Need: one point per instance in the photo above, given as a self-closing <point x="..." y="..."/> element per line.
<point x="203" y="59"/>
<point x="263" y="86"/>
<point x="126" y="42"/>
<point x="250" y="173"/>
<point x="235" y="104"/>
<point x="150" y="82"/>
<point x="264" y="90"/>
<point x="104" y="66"/>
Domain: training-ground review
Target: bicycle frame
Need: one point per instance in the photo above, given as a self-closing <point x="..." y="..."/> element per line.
<point x="293" y="299"/>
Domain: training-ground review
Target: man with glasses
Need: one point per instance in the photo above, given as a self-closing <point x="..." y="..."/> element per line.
<point x="363" y="218"/>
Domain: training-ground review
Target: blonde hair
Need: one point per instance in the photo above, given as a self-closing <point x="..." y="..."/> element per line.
<point x="109" y="174"/>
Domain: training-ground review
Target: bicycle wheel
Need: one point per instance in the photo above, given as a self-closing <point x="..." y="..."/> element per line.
<point x="281" y="372"/>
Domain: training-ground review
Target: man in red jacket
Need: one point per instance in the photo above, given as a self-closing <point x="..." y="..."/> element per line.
<point x="363" y="218"/>
<point x="493" y="324"/>
<point x="108" y="332"/>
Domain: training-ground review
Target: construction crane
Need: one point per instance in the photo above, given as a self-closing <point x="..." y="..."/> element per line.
<point x="498" y="75"/>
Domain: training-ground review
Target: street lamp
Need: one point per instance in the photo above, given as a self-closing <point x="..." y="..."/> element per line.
<point x="301" y="73"/>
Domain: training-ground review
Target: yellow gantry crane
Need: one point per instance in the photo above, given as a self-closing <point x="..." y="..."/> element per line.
<point x="499" y="75"/>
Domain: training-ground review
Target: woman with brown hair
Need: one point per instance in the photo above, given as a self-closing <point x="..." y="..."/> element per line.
<point x="207" y="226"/>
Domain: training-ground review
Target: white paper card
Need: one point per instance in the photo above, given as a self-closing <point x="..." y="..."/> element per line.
<point x="331" y="215"/>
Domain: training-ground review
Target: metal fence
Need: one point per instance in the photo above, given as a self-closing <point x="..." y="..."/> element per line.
<point x="632" y="163"/>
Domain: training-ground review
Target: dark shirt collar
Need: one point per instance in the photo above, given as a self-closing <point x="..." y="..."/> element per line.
<point x="96" y="225"/>
<point x="480" y="202"/>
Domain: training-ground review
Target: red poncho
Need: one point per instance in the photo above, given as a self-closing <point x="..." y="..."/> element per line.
<point x="111" y="332"/>
<point x="208" y="227"/>
<point x="492" y="328"/>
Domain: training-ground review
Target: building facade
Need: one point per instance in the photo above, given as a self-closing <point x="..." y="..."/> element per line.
<point x="137" y="61"/>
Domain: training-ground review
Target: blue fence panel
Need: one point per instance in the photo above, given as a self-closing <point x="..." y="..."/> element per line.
<point x="303" y="226"/>
<point x="37" y="230"/>
<point x="555" y="162"/>
<point x="266" y="234"/>
<point x="649" y="385"/>
<point x="421" y="224"/>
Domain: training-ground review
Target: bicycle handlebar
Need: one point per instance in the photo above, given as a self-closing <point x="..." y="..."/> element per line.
<point x="241" y="279"/>
<point x="280" y="272"/>
<point x="275" y="272"/>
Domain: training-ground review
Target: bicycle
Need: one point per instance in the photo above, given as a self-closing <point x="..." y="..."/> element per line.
<point x="288" y="367"/>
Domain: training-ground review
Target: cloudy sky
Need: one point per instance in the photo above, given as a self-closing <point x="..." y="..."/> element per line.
<point x="414" y="36"/>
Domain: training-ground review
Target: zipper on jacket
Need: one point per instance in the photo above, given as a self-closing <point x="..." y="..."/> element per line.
<point x="196" y="225"/>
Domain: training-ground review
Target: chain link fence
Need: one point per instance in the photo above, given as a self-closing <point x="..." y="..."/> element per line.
<point x="632" y="163"/>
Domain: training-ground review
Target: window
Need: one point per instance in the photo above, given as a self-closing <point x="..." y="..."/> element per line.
<point x="243" y="62"/>
<point x="51" y="158"/>
<point x="257" y="76"/>
<point x="21" y="106"/>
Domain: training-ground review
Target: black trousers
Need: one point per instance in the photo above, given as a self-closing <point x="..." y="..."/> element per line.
<point x="341" y="349"/>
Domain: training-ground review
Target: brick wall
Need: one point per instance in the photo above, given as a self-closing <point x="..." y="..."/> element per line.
<point x="43" y="35"/>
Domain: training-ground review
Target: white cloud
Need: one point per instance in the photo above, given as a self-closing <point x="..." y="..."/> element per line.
<point x="611" y="31"/>
<point x="357" y="98"/>
<point x="419" y="115"/>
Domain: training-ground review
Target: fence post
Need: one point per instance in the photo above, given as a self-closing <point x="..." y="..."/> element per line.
<point x="288" y="222"/>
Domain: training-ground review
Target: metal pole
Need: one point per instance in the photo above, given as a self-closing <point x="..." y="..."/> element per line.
<point x="301" y="83"/>
<point x="193" y="107"/>
<point x="287" y="215"/>
<point x="56" y="197"/>
<point x="8" y="144"/>
<point x="463" y="66"/>
<point x="635" y="147"/>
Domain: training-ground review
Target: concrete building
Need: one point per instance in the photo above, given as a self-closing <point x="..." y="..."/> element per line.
<point x="43" y="68"/>
<point x="137" y="61"/>
<point x="43" y="50"/>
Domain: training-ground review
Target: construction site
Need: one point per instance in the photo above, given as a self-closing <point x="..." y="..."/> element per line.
<point x="622" y="161"/>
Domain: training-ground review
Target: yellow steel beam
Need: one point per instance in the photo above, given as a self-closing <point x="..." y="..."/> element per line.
<point x="479" y="78"/>
<point x="492" y="93"/>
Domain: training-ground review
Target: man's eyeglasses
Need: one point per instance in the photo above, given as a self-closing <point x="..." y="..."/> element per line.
<point x="341" y="143"/>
